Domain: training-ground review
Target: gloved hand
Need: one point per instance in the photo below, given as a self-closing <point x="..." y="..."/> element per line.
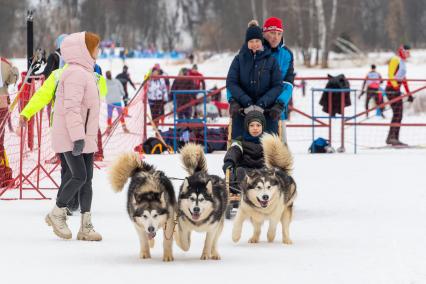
<point x="276" y="110"/>
<point x="228" y="165"/>
<point x="252" y="108"/>
<point x="410" y="99"/>
<point x="234" y="108"/>
<point x="78" y="147"/>
<point x="258" y="108"/>
<point x="22" y="121"/>
<point x="22" y="124"/>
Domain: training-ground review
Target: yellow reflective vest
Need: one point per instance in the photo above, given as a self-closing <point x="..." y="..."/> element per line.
<point x="46" y="93"/>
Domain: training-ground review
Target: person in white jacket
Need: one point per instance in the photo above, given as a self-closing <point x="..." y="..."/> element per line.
<point x="114" y="100"/>
<point x="157" y="94"/>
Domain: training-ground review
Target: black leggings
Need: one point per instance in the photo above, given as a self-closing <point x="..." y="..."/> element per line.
<point x="373" y="93"/>
<point x="76" y="178"/>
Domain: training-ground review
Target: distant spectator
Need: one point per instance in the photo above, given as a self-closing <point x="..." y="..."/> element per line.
<point x="397" y="71"/>
<point x="114" y="98"/>
<point x="199" y="84"/>
<point x="184" y="98"/>
<point x="8" y="75"/>
<point x="124" y="78"/>
<point x="191" y="58"/>
<point x="157" y="94"/>
<point x="372" y="82"/>
<point x="160" y="72"/>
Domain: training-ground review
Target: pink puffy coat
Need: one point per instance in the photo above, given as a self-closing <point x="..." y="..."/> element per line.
<point x="77" y="103"/>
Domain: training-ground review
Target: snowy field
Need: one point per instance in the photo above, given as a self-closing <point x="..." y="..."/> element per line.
<point x="358" y="219"/>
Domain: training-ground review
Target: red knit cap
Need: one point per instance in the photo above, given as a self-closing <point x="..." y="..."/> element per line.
<point x="273" y="24"/>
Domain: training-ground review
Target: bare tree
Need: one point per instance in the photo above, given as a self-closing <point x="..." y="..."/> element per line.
<point x="219" y="25"/>
<point x="325" y="32"/>
<point x="264" y="10"/>
<point x="253" y="9"/>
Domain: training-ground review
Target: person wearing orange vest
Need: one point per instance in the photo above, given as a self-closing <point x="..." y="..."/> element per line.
<point x="397" y="71"/>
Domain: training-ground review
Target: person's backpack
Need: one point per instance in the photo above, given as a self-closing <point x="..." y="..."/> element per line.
<point x="151" y="146"/>
<point x="320" y="145"/>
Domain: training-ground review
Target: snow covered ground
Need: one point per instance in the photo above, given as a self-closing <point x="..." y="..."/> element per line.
<point x="358" y="219"/>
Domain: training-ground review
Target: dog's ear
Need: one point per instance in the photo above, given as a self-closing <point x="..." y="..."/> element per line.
<point x="209" y="187"/>
<point x="251" y="173"/>
<point x="185" y="186"/>
<point x="163" y="200"/>
<point x="274" y="172"/>
<point x="247" y="179"/>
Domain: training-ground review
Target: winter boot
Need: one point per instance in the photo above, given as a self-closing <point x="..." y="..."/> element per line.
<point x="57" y="218"/>
<point x="126" y="111"/>
<point x="87" y="233"/>
<point x="395" y="142"/>
<point x="125" y="129"/>
<point x="108" y="130"/>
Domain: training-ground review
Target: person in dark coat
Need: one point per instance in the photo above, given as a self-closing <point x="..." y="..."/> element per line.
<point x="254" y="81"/>
<point x="181" y="84"/>
<point x="246" y="151"/>
<point x="124" y="78"/>
<point x="54" y="60"/>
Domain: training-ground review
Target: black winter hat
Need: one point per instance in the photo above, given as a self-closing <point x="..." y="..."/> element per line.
<point x="253" y="31"/>
<point x="254" y="115"/>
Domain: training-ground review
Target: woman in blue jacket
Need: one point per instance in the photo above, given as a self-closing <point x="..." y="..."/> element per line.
<point x="254" y="80"/>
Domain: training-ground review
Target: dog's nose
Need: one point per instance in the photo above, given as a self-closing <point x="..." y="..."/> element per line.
<point x="196" y="209"/>
<point x="265" y="197"/>
<point x="151" y="229"/>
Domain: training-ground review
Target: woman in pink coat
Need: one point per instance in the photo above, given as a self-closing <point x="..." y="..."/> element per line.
<point x="74" y="131"/>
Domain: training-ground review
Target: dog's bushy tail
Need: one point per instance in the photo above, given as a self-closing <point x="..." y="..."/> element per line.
<point x="124" y="167"/>
<point x="193" y="158"/>
<point x="276" y="153"/>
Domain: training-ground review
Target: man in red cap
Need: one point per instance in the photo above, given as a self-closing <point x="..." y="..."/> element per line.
<point x="273" y="34"/>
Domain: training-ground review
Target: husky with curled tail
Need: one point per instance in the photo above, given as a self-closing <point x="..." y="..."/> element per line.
<point x="268" y="193"/>
<point x="201" y="203"/>
<point x="151" y="201"/>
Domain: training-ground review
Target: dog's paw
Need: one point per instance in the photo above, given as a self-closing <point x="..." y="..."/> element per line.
<point x="253" y="240"/>
<point x="271" y="237"/>
<point x="145" y="255"/>
<point x="287" y="241"/>
<point x="236" y="236"/>
<point x="168" y="257"/>
<point x="215" y="256"/>
<point x="205" y="256"/>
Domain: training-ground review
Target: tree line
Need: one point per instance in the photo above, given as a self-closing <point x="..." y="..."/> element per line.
<point x="312" y="27"/>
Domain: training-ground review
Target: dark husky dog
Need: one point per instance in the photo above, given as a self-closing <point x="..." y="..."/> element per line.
<point x="268" y="193"/>
<point x="151" y="201"/>
<point x="201" y="204"/>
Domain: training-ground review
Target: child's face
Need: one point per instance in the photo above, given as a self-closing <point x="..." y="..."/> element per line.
<point x="254" y="44"/>
<point x="255" y="128"/>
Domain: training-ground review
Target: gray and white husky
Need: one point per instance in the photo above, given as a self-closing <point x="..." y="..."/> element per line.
<point x="201" y="203"/>
<point x="151" y="201"/>
<point x="268" y="193"/>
